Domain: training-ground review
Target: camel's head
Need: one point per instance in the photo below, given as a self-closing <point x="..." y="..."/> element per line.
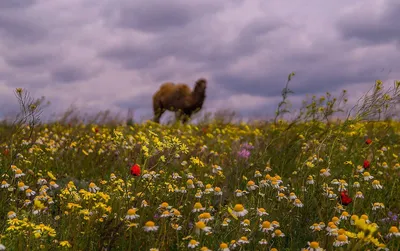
<point x="200" y="86"/>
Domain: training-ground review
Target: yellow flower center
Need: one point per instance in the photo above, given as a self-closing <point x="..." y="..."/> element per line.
<point x="246" y="221"/>
<point x="150" y="224"/>
<point x="223" y="245"/>
<point x="193" y="242"/>
<point x="238" y="208"/>
<point x="208" y="186"/>
<point x="21" y="184"/>
<point x="217" y="189"/>
<point x="393" y="229"/>
<point x="375" y="182"/>
<point x="92" y="185"/>
<point x="250" y="183"/>
<point x="314" y="244"/>
<point x="164" y="204"/>
<point x="266" y="224"/>
<point x="189" y="182"/>
<point x="176" y="212"/>
<point x="131" y="211"/>
<point x="197" y="205"/>
<point x="200" y="224"/>
<point x="244" y="238"/>
<point x="342" y="237"/>
<point x="18" y="171"/>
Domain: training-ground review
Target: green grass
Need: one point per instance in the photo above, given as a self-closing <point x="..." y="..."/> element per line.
<point x="202" y="166"/>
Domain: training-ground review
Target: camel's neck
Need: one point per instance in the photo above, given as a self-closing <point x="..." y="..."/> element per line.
<point x="198" y="99"/>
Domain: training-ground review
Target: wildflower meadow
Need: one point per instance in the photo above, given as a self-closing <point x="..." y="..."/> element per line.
<point x="312" y="182"/>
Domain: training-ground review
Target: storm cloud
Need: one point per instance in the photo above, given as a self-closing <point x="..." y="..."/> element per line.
<point x="114" y="54"/>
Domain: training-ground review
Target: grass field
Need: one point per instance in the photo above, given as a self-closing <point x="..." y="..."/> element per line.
<point x="309" y="184"/>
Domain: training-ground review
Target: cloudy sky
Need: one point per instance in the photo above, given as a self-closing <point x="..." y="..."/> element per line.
<point x="114" y="54"/>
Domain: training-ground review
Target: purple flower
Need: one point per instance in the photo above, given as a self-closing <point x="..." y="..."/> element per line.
<point x="247" y="146"/>
<point x="392" y="217"/>
<point x="244" y="153"/>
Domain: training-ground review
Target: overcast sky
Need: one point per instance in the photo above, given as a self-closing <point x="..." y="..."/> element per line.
<point x="114" y="54"/>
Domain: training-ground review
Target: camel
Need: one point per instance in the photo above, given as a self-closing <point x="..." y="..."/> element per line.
<point x="179" y="98"/>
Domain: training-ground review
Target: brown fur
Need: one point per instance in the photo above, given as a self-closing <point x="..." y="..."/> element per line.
<point x="179" y="98"/>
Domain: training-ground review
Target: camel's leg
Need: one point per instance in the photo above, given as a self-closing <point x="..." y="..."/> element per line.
<point x="158" y="110"/>
<point x="185" y="117"/>
<point x="178" y="115"/>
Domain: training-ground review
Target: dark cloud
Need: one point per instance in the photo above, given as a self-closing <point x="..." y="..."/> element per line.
<point x="304" y="82"/>
<point x="255" y="35"/>
<point x="139" y="102"/>
<point x="130" y="56"/>
<point x="30" y="81"/>
<point x="150" y="19"/>
<point x="16" y="4"/>
<point x="193" y="44"/>
<point x="26" y="60"/>
<point x="68" y="74"/>
<point x="383" y="28"/>
<point x="8" y="104"/>
<point x="156" y="16"/>
<point x="20" y="29"/>
<point x="5" y="75"/>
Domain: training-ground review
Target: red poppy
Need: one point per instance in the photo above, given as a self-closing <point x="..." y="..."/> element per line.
<point x="366" y="164"/>
<point x="96" y="129"/>
<point x="368" y="141"/>
<point x="344" y="198"/>
<point x="204" y="129"/>
<point x="135" y="170"/>
<point x="6" y="152"/>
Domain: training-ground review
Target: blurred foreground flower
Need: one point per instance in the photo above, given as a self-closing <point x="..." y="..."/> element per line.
<point x="135" y="170"/>
<point x="344" y="198"/>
